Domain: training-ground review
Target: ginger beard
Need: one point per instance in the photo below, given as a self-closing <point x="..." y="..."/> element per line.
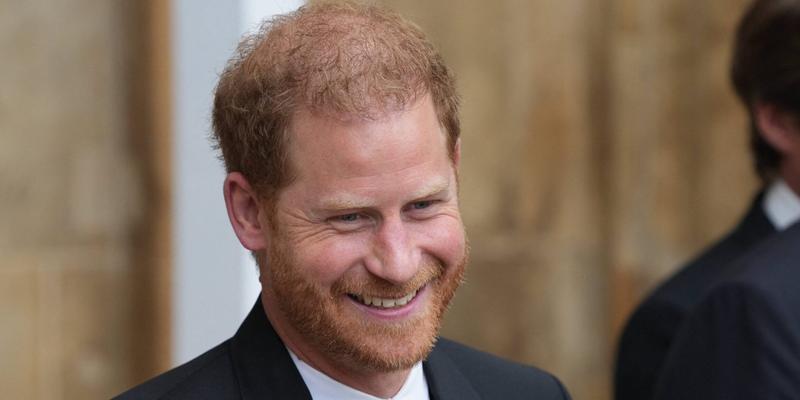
<point x="331" y="323"/>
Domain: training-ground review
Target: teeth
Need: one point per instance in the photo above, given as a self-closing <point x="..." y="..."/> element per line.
<point x="386" y="303"/>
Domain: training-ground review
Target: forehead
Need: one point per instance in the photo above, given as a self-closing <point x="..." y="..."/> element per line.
<point x="355" y="146"/>
<point x="394" y="158"/>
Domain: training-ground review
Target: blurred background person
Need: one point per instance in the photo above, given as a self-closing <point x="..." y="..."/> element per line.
<point x="765" y="72"/>
<point x="743" y="340"/>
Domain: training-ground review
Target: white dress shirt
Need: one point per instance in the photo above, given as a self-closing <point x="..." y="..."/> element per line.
<point x="323" y="387"/>
<point x="781" y="205"/>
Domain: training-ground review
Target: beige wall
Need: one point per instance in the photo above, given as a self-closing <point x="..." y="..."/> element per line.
<point x="76" y="194"/>
<point x="68" y="199"/>
<point x="602" y="147"/>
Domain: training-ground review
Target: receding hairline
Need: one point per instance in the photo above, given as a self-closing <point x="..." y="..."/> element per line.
<point x="346" y="57"/>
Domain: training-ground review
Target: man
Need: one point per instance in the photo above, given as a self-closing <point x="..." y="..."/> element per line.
<point x="766" y="75"/>
<point x="743" y="340"/>
<point x="339" y="128"/>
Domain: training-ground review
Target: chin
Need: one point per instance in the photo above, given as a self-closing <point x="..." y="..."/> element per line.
<point x="376" y="353"/>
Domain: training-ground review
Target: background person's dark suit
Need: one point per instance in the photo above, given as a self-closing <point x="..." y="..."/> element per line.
<point x="255" y="364"/>
<point x="650" y="331"/>
<point x="743" y="340"/>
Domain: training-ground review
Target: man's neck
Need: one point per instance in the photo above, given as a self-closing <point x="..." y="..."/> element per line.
<point x="323" y="386"/>
<point x="379" y="384"/>
<point x="792" y="179"/>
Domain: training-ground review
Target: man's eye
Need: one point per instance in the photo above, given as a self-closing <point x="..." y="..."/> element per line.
<point x="421" y="205"/>
<point x="353" y="217"/>
<point x="350" y="222"/>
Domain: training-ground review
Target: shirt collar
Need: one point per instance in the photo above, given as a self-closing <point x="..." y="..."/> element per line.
<point x="323" y="387"/>
<point x="781" y="205"/>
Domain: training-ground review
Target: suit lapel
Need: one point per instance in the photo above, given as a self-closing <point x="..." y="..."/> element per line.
<point x="755" y="226"/>
<point x="445" y="380"/>
<point x="262" y="364"/>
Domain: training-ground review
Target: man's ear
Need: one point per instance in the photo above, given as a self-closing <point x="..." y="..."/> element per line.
<point x="778" y="128"/>
<point x="244" y="212"/>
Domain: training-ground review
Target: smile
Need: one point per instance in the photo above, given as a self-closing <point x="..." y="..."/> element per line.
<point x="380" y="302"/>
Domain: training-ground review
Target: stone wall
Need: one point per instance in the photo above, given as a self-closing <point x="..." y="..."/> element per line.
<point x="74" y="200"/>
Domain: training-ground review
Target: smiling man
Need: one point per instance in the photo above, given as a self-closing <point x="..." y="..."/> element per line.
<point x="339" y="129"/>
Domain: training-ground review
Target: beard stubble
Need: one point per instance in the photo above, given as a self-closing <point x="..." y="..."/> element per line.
<point x="327" y="319"/>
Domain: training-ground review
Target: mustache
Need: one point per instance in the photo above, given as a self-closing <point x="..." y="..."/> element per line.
<point x="374" y="286"/>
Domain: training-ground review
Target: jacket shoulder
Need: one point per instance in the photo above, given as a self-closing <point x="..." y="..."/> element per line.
<point x="665" y="308"/>
<point x="652" y="327"/>
<point x="209" y="376"/>
<point x="689" y="285"/>
<point x="496" y="378"/>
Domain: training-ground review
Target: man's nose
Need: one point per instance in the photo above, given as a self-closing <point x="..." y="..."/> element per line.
<point x="396" y="258"/>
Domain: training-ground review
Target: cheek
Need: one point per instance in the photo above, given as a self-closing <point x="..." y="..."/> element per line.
<point x="328" y="260"/>
<point x="445" y="241"/>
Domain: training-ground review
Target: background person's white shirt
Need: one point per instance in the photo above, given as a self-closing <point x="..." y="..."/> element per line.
<point x="323" y="387"/>
<point x="781" y="205"/>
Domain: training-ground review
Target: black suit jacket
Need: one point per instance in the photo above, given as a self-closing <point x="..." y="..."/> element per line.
<point x="743" y="340"/>
<point x="255" y="364"/>
<point x="652" y="327"/>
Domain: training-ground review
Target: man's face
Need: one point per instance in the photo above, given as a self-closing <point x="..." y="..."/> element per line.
<point x="367" y="245"/>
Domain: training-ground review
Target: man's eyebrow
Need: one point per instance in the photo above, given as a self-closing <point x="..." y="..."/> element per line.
<point x="343" y="203"/>
<point x="436" y="187"/>
<point x="349" y="202"/>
